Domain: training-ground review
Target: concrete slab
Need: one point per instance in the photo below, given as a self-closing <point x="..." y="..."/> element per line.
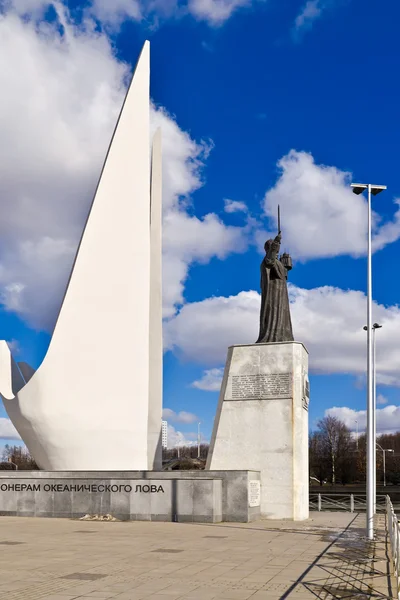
<point x="324" y="557"/>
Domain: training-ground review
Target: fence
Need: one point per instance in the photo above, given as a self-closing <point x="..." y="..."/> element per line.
<point x="393" y="530"/>
<point x="344" y="502"/>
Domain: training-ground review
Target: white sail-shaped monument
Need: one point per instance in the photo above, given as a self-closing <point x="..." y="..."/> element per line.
<point x="95" y="402"/>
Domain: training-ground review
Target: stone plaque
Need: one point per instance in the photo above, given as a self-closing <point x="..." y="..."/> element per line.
<point x="306" y="391"/>
<point x="260" y="386"/>
<point x="254" y="493"/>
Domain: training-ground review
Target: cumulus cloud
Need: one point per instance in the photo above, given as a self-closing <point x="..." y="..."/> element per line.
<point x="181" y="417"/>
<point x="179" y="439"/>
<point x="51" y="155"/>
<point x="188" y="239"/>
<point x="210" y="381"/>
<point x="321" y="217"/>
<point x="215" y="12"/>
<point x="8" y="431"/>
<point x="202" y="331"/>
<point x="381" y="399"/>
<point x="387" y="419"/>
<point x="328" y="320"/>
<point x="152" y="12"/>
<point x="115" y="12"/>
<point x="234" y="206"/>
<point x="310" y="12"/>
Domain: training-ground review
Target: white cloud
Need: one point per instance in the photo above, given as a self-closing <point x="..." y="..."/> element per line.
<point x="234" y="206"/>
<point x="181" y="417"/>
<point x="51" y="153"/>
<point x="381" y="399"/>
<point x="27" y="7"/>
<point x="8" y="431"/>
<point x="177" y="438"/>
<point x="50" y="159"/>
<point x="152" y="12"/>
<point x="328" y="320"/>
<point x="310" y="12"/>
<point x="202" y="331"/>
<point x="387" y="419"/>
<point x="215" y="12"/>
<point x="115" y="12"/>
<point x="210" y="381"/>
<point x="188" y="239"/>
<point x="320" y="215"/>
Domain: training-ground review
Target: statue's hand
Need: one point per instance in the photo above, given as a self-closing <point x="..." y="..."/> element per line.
<point x="278" y="238"/>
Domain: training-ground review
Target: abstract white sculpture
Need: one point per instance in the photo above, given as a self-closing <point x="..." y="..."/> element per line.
<point x="95" y="403"/>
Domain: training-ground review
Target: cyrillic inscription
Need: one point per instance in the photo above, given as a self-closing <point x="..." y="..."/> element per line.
<point x="91" y="488"/>
<point x="261" y="386"/>
<point x="254" y="493"/>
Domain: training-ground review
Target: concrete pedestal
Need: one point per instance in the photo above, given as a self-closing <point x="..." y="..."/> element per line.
<point x="262" y="424"/>
<point x="179" y="496"/>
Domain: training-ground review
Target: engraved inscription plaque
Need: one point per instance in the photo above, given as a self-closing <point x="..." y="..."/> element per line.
<point x="254" y="493"/>
<point x="261" y="386"/>
<point x="306" y="392"/>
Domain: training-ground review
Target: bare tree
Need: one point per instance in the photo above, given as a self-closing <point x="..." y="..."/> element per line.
<point x="319" y="466"/>
<point x="337" y="448"/>
<point x="20" y="457"/>
<point x="186" y="452"/>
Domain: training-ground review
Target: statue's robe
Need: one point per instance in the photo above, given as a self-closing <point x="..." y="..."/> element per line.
<point x="275" y="321"/>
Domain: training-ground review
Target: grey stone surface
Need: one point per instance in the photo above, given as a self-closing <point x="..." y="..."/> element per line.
<point x="52" y="560"/>
<point x="262" y="424"/>
<point x="186" y="496"/>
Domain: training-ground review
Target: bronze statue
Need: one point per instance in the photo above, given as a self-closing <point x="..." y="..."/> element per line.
<point x="275" y="321"/>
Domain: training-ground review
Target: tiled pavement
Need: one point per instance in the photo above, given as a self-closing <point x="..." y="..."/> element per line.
<point x="325" y="557"/>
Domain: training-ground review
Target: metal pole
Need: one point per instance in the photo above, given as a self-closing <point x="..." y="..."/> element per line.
<point x="384" y="468"/>
<point x="370" y="400"/>
<point x="357" y="434"/>
<point x="374" y="408"/>
<point x="198" y="441"/>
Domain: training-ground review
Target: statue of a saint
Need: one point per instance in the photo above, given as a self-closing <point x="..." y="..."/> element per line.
<point x="275" y="321"/>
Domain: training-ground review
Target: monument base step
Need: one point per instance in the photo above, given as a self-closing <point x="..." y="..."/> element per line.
<point x="175" y="496"/>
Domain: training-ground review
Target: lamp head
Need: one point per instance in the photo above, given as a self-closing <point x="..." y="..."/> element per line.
<point x="377" y="326"/>
<point x="358" y="188"/>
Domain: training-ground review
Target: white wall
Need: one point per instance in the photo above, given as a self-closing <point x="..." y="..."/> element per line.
<point x="86" y="408"/>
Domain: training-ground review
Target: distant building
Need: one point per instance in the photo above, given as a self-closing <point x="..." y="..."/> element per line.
<point x="164" y="434"/>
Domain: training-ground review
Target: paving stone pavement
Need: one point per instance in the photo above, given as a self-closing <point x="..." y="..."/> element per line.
<point x="324" y="557"/>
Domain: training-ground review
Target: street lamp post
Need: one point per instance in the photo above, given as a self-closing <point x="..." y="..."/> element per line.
<point x="357" y="434"/>
<point x="198" y="440"/>
<point x="375" y="326"/>
<point x="384" y="450"/>
<point x="359" y="188"/>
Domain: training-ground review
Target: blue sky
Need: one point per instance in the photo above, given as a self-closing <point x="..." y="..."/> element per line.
<point x="261" y="103"/>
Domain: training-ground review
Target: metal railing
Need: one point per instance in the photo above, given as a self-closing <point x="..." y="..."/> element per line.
<point x="344" y="502"/>
<point x="393" y="530"/>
